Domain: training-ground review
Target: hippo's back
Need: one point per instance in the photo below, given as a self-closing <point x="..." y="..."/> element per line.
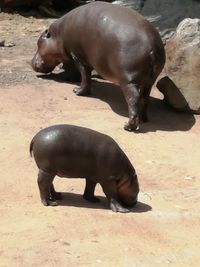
<point x="98" y="16"/>
<point x="96" y="30"/>
<point x="73" y="151"/>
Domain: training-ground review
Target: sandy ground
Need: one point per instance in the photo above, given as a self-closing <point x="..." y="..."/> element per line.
<point x="162" y="230"/>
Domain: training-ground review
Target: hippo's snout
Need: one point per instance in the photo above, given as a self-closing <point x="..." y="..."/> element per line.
<point x="39" y="65"/>
<point x="130" y="202"/>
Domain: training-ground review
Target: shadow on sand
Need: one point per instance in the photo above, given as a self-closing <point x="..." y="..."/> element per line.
<point x="161" y="117"/>
<point x="76" y="200"/>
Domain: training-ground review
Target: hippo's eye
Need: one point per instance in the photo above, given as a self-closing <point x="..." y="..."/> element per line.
<point x="46" y="34"/>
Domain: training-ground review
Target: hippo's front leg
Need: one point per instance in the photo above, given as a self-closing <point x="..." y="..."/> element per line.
<point x="89" y="191"/>
<point x="117" y="207"/>
<point x="110" y="190"/>
<point x="72" y="74"/>
<point x="85" y="71"/>
<point x="131" y="94"/>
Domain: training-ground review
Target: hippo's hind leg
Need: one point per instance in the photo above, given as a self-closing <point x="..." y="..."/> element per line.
<point x="89" y="191"/>
<point x="131" y="94"/>
<point x="110" y="190"/>
<point x="85" y="71"/>
<point x="143" y="103"/>
<point x="45" y="184"/>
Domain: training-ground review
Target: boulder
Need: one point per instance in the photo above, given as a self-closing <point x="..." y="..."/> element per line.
<point x="181" y="85"/>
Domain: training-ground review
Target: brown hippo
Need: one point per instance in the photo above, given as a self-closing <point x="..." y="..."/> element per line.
<point x="77" y="152"/>
<point x="117" y="42"/>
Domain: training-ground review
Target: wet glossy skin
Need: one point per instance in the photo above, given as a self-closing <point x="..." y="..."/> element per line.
<point x="120" y="44"/>
<point x="77" y="152"/>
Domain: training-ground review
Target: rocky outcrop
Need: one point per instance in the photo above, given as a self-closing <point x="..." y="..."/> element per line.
<point x="181" y="86"/>
<point x="167" y="14"/>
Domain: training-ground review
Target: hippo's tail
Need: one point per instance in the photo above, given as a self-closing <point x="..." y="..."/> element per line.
<point x="31" y="147"/>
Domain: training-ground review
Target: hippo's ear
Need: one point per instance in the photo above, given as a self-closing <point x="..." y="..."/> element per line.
<point x="46" y="34"/>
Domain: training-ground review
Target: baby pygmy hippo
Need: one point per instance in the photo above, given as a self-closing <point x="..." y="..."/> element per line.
<point x="77" y="152"/>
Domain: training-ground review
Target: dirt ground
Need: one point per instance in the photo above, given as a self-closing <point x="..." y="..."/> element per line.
<point x="162" y="230"/>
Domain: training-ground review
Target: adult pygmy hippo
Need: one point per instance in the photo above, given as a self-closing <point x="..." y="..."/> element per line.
<point x="119" y="43"/>
<point x="72" y="151"/>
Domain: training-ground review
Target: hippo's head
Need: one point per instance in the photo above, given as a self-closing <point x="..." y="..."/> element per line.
<point x="128" y="189"/>
<point x="49" y="53"/>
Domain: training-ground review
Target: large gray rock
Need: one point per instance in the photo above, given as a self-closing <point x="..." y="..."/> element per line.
<point x="181" y="86"/>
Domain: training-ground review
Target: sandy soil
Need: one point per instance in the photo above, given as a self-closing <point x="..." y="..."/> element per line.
<point x="162" y="230"/>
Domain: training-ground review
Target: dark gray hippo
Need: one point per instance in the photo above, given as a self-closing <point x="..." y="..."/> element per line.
<point x="77" y="152"/>
<point x="117" y="42"/>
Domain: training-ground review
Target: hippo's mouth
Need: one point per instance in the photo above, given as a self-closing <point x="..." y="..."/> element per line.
<point x="129" y="203"/>
<point x="43" y="70"/>
<point x="132" y="204"/>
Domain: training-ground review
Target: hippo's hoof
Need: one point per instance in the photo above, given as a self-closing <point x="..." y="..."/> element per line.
<point x="81" y="92"/>
<point x="116" y="207"/>
<point x="130" y="127"/>
<point x="91" y="198"/>
<point x="49" y="202"/>
<point x="133" y="124"/>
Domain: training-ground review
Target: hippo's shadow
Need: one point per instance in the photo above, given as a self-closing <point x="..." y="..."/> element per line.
<point x="59" y="76"/>
<point x="164" y="118"/>
<point x="161" y="117"/>
<point x="76" y="200"/>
